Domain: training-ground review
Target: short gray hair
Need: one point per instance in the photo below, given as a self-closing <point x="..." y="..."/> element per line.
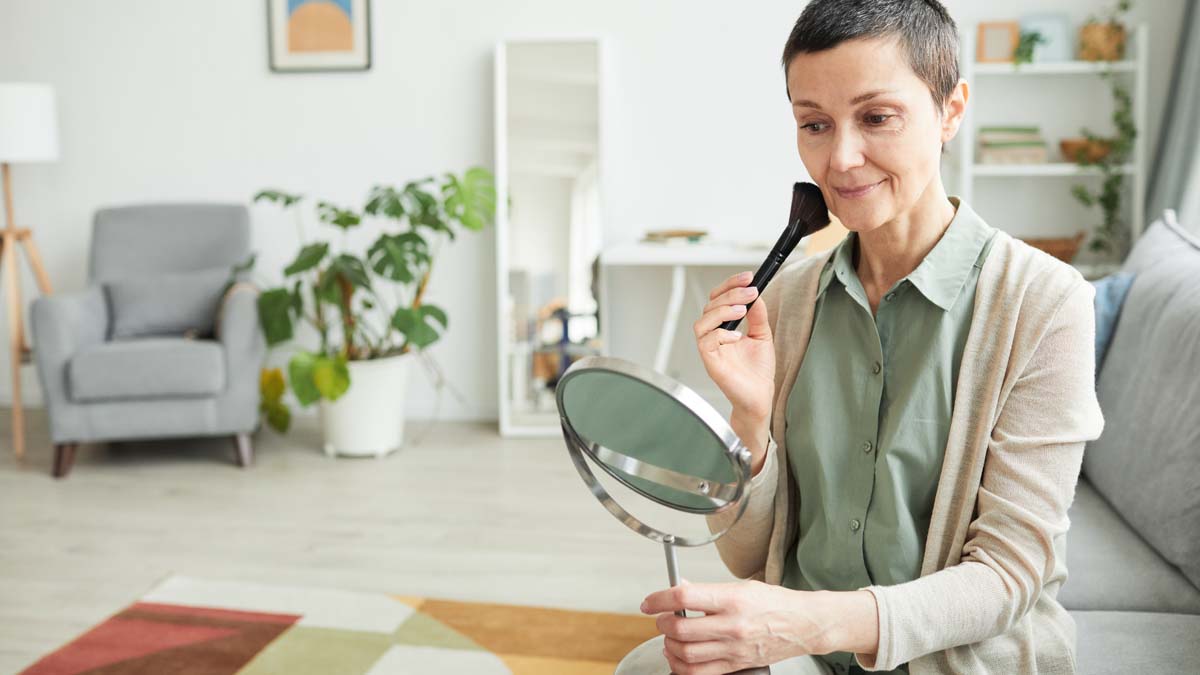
<point x="923" y="27"/>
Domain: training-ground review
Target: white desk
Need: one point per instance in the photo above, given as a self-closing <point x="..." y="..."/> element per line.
<point x="678" y="257"/>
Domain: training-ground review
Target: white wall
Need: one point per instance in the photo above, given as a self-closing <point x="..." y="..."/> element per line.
<point x="173" y="100"/>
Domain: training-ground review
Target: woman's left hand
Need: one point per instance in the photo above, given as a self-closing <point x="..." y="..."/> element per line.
<point x="745" y="624"/>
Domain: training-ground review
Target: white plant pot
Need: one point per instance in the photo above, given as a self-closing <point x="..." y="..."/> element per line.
<point x="368" y="420"/>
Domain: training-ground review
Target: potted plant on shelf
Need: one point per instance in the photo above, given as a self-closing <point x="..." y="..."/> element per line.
<point x="368" y="309"/>
<point x="1102" y="38"/>
<point x="1108" y="155"/>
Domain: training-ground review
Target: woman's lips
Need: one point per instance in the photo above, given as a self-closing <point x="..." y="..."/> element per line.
<point x="855" y="193"/>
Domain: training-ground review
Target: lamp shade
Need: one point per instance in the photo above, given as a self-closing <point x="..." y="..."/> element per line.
<point x="28" y="123"/>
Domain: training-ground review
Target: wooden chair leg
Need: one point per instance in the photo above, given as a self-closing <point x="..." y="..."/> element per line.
<point x="64" y="458"/>
<point x="245" y="451"/>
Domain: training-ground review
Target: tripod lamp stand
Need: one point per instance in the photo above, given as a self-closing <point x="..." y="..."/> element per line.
<point x="28" y="133"/>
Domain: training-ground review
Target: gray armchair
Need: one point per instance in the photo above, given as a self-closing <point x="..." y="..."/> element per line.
<point x="98" y="386"/>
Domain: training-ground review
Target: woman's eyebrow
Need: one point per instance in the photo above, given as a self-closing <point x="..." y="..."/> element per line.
<point x="805" y="103"/>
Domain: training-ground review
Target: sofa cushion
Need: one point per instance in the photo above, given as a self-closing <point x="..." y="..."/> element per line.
<point x="1110" y="567"/>
<point x="1165" y="239"/>
<point x="1146" y="464"/>
<point x="147" y="368"/>
<point x="1112" y="643"/>
<point x="167" y="304"/>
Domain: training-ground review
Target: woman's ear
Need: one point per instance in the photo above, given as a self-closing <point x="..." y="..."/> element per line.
<point x="954" y="109"/>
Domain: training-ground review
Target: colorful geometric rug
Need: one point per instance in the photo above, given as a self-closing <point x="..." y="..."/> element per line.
<point x="189" y="626"/>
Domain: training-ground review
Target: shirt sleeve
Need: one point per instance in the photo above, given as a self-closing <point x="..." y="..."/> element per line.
<point x="1032" y="464"/>
<point x="744" y="546"/>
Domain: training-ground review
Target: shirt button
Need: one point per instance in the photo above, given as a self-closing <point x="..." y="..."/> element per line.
<point x="889" y="296"/>
<point x="876" y="368"/>
<point x="854" y="525"/>
<point x="867" y="446"/>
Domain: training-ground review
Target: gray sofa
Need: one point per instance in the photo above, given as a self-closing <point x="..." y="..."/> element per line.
<point x="115" y="366"/>
<point x="1133" y="550"/>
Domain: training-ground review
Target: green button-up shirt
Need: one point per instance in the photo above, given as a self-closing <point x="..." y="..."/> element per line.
<point x="868" y="417"/>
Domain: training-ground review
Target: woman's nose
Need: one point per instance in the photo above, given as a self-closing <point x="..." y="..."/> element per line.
<point x="847" y="152"/>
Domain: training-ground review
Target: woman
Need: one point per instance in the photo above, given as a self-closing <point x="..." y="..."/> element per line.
<point x="916" y="401"/>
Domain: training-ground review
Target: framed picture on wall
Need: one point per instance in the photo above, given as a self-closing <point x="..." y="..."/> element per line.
<point x="319" y="35"/>
<point x="997" y="40"/>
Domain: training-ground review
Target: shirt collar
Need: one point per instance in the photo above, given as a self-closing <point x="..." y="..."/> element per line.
<point x="941" y="276"/>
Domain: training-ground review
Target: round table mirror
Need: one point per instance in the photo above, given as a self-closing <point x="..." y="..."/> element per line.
<point x="665" y="443"/>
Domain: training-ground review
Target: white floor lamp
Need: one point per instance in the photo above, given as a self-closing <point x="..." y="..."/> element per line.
<point x="28" y="133"/>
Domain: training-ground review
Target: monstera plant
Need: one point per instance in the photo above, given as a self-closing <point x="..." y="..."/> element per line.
<point x="364" y="306"/>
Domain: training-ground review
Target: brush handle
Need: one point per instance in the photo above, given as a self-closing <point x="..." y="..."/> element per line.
<point x="766" y="271"/>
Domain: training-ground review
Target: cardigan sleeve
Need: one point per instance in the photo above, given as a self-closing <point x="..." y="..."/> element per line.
<point x="744" y="547"/>
<point x="1031" y="467"/>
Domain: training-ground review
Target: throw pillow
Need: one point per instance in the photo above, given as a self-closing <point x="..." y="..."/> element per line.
<point x="1110" y="295"/>
<point x="169" y="304"/>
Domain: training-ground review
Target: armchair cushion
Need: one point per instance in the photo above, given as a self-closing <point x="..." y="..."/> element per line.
<point x="165" y="304"/>
<point x="146" y="368"/>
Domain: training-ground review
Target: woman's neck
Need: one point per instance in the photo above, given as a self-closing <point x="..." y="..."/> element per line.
<point x="891" y="251"/>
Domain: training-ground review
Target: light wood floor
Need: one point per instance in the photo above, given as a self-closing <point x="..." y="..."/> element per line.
<point x="463" y="515"/>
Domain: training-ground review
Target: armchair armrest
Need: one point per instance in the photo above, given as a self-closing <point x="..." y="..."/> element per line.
<point x="61" y="325"/>
<point x="245" y="348"/>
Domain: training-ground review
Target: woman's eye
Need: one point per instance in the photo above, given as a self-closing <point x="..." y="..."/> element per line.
<point x="877" y="119"/>
<point x="813" y="127"/>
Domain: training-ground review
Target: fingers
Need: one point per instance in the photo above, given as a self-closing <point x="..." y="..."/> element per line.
<point x="756" y="324"/>
<point x="739" y="279"/>
<point x="718" y="337"/>
<point x="742" y="295"/>
<point x="697" y="658"/>
<point x="716" y="627"/>
<point x="715" y="317"/>
<point x="707" y="598"/>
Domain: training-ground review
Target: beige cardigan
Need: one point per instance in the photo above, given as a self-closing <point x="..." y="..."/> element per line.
<point x="995" y="552"/>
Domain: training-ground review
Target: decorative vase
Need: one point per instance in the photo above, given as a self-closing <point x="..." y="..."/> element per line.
<point x="368" y="420"/>
<point x="1102" y="42"/>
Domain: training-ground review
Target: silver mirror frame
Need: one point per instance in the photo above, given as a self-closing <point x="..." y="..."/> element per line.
<point x="735" y="451"/>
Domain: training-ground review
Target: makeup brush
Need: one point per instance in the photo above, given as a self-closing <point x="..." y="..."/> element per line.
<point x="809" y="214"/>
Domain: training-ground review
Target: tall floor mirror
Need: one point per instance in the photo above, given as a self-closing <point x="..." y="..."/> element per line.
<point x="548" y="221"/>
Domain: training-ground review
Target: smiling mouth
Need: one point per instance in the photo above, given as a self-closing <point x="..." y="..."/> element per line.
<point x="854" y="193"/>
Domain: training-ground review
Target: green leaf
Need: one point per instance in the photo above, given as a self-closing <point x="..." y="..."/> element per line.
<point x="1081" y="193"/>
<point x="331" y="377"/>
<point x="436" y="313"/>
<point x="332" y="214"/>
<point x="271" y="385"/>
<point x="326" y="288"/>
<point x="297" y="299"/>
<point x="411" y="323"/>
<point x="309" y="257"/>
<point x="394" y="256"/>
<point x="300" y="375"/>
<point x="279" y="417"/>
<point x="274" y="315"/>
<point x="471" y="200"/>
<point x="246" y="265"/>
<point x="352" y="269"/>
<point x="385" y="201"/>
<point x="277" y="196"/>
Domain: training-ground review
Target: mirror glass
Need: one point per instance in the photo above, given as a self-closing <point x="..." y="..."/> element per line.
<point x="552" y="232"/>
<point x="648" y="438"/>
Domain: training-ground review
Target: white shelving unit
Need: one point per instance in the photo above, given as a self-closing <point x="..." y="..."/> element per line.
<point x="978" y="77"/>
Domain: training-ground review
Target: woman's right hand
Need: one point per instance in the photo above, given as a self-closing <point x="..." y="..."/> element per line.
<point x="741" y="363"/>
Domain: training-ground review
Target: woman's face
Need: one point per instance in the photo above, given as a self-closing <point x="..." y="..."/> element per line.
<point x="868" y="131"/>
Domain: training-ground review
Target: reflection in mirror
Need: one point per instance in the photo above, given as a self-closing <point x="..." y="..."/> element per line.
<point x="649" y="440"/>
<point x="548" y="127"/>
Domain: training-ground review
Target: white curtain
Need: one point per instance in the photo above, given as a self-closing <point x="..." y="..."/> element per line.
<point x="1175" y="180"/>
